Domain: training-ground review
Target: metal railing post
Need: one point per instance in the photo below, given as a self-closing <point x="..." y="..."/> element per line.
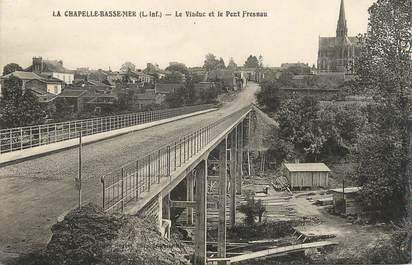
<point x="21" y="138"/>
<point x="158" y="167"/>
<point x="168" y="163"/>
<point x="137" y="179"/>
<point x="175" y="156"/>
<point x="103" y="194"/>
<point x="122" y="191"/>
<point x="149" y="183"/>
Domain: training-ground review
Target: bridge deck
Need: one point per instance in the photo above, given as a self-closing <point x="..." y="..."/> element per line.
<point x="35" y="192"/>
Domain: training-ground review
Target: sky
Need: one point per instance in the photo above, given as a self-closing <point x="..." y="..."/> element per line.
<point x="289" y="33"/>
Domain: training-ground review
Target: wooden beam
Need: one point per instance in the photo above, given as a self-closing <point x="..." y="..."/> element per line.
<point x="183" y="204"/>
<point x="221" y="229"/>
<point x="166" y="207"/>
<point x="160" y="212"/>
<point x="201" y="214"/>
<point x="232" y="204"/>
<point x="213" y="178"/>
<point x="238" y="159"/>
<point x="280" y="250"/>
<point x="249" y="142"/>
<point x="190" y="196"/>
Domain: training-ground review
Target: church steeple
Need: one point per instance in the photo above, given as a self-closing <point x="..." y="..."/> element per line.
<point x="342" y="28"/>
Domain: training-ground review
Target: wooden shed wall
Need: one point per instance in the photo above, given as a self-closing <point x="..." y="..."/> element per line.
<point x="308" y="179"/>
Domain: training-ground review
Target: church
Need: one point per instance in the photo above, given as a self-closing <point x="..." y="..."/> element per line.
<point x="337" y="54"/>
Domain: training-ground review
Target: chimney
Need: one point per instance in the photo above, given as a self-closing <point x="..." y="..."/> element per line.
<point x="37" y="66"/>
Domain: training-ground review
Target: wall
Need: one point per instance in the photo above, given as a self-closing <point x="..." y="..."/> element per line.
<point x="54" y="88"/>
<point x="65" y="77"/>
<point x="308" y="179"/>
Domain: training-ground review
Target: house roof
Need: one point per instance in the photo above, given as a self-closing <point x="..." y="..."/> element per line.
<point x="145" y="96"/>
<point x="43" y="96"/>
<point x="347" y="190"/>
<point x="49" y="80"/>
<point x="307" y="167"/>
<point x="71" y="93"/>
<point x="167" y="88"/>
<point x="23" y="75"/>
<point x="139" y="73"/>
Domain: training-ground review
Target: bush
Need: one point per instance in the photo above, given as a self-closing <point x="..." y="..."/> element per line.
<point x="252" y="208"/>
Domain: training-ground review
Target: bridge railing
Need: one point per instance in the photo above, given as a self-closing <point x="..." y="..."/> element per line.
<point x="14" y="139"/>
<point x="127" y="183"/>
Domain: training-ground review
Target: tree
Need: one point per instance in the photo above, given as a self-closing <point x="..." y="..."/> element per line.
<point x="18" y="108"/>
<point x="177" y="98"/>
<point x="178" y="67"/>
<point x="127" y="66"/>
<point x="299" y="124"/>
<point x="379" y="173"/>
<point x="173" y="77"/>
<point x="211" y="62"/>
<point x="299" y="69"/>
<point x="269" y="94"/>
<point x="231" y="65"/>
<point x="221" y="64"/>
<point x="252" y="62"/>
<point x="10" y="68"/>
<point x="384" y="71"/>
<point x="260" y="61"/>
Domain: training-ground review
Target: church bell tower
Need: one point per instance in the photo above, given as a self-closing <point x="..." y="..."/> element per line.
<point x="342" y="28"/>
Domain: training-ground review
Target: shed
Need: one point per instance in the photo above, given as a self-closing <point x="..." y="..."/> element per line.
<point x="307" y="175"/>
<point x="349" y="196"/>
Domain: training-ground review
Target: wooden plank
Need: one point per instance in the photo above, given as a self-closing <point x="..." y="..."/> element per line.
<point x="183" y="204"/>
<point x="279" y="250"/>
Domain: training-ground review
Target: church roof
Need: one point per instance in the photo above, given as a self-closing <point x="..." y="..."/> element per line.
<point x="330" y="42"/>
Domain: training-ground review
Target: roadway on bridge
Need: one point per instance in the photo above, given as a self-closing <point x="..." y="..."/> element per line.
<point x="34" y="193"/>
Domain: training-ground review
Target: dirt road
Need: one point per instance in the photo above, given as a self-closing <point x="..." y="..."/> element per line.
<point x="34" y="193"/>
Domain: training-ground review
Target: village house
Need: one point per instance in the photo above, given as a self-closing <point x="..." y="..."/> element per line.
<point x="307" y="175"/>
<point x="45" y="89"/>
<point x="147" y="98"/>
<point x="252" y="74"/>
<point x="155" y="71"/>
<point x="51" y="68"/>
<point x="137" y="77"/>
<point x="87" y="100"/>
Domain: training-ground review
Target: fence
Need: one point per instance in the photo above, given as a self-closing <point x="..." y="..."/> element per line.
<point x="14" y="139"/>
<point x="131" y="180"/>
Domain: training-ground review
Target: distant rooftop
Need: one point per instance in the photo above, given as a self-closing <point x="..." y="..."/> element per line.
<point x="307" y="167"/>
<point x="23" y="75"/>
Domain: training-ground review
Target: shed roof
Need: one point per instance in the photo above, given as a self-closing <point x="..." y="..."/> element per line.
<point x="307" y="167"/>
